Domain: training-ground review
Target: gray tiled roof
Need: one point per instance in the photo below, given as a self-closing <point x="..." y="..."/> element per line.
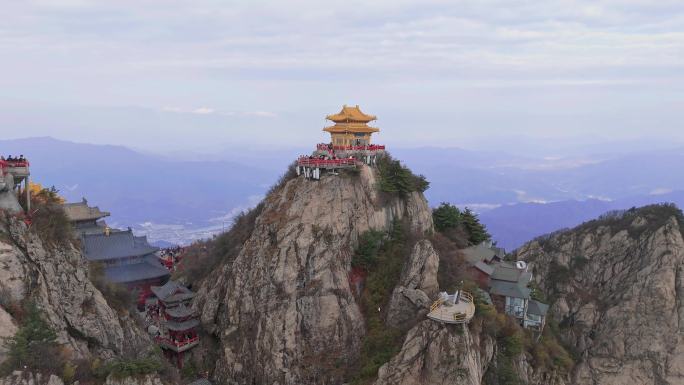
<point x="507" y="272"/>
<point x="185" y="325"/>
<point x="482" y="252"/>
<point x="509" y="289"/>
<point x="485" y="268"/>
<point x="135" y="272"/>
<point x="118" y="244"/>
<point x="536" y="307"/>
<point x="171" y="290"/>
<point x="179" y="311"/>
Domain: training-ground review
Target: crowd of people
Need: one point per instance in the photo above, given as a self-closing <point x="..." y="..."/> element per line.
<point x="170" y="256"/>
<point x="12" y="158"/>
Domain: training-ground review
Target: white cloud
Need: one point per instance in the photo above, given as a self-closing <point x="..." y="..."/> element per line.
<point x="660" y="191"/>
<point x="263" y="114"/>
<point x="477" y="60"/>
<point x="203" y="111"/>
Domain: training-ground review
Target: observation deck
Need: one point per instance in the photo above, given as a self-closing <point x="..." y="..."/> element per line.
<point x="457" y="308"/>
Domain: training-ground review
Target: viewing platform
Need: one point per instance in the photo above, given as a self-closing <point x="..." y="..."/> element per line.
<point x="311" y="167"/>
<point x="457" y="308"/>
<point x="14" y="171"/>
<point x="18" y="168"/>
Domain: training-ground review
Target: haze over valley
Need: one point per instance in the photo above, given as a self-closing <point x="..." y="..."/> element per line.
<point x="173" y="198"/>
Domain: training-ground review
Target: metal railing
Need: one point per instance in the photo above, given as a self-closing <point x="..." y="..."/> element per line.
<point x="465" y="296"/>
<point x="436" y="304"/>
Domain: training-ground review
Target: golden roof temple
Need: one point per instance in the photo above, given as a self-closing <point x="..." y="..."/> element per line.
<point x="351" y="127"/>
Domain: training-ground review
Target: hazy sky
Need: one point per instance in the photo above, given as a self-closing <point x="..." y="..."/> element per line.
<point x="214" y="74"/>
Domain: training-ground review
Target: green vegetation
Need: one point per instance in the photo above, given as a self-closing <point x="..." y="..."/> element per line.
<point x="366" y="255"/>
<point x="48" y="218"/>
<point x="381" y="257"/>
<point x="397" y="179"/>
<point x="476" y="230"/>
<point x="34" y="346"/>
<point x="462" y="227"/>
<point x="131" y="367"/>
<point x="446" y="216"/>
<point x="94" y="371"/>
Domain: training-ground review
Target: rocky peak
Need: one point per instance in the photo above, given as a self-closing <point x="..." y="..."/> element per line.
<point x="284" y="310"/>
<point x="617" y="286"/>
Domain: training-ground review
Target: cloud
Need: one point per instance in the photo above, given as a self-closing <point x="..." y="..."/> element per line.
<point x="612" y="67"/>
<point x="660" y="191"/>
<point x="209" y="111"/>
<point x="263" y="114"/>
<point x="203" y="111"/>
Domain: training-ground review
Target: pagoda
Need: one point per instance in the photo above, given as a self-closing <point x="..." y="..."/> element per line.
<point x="178" y="322"/>
<point x="351" y="127"/>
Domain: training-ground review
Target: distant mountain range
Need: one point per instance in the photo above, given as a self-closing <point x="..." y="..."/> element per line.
<point x="177" y="200"/>
<point x="513" y="225"/>
<point x="143" y="191"/>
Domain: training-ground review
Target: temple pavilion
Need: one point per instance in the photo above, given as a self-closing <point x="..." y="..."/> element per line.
<point x="351" y="127"/>
<point x="171" y="306"/>
<point x="84" y="218"/>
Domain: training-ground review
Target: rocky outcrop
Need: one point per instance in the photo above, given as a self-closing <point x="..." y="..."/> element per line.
<point x="411" y="299"/>
<point x="148" y="379"/>
<point x="27" y="378"/>
<point x="283" y="310"/>
<point x="56" y="280"/>
<point x="7" y="329"/>
<point x="8" y="198"/>
<point x="435" y="353"/>
<point x="617" y="287"/>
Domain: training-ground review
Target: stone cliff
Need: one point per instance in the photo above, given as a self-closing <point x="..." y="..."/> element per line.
<point x="56" y="279"/>
<point x="617" y="287"/>
<point x="284" y="310"/>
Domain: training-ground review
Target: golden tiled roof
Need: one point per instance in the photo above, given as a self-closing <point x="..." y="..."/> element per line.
<point x="351" y="127"/>
<point x="350" y="114"/>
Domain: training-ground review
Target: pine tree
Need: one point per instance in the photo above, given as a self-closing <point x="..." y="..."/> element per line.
<point x="476" y="230"/>
<point x="446" y="216"/>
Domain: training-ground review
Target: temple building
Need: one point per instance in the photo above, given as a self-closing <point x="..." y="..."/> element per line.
<point x="85" y="219"/>
<point x="177" y="322"/>
<point x="127" y="259"/>
<point x="351" y="127"/>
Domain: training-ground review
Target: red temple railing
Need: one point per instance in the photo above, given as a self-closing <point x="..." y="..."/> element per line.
<point x="17" y="163"/>
<point x="329" y="163"/>
<point x="5" y="165"/>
